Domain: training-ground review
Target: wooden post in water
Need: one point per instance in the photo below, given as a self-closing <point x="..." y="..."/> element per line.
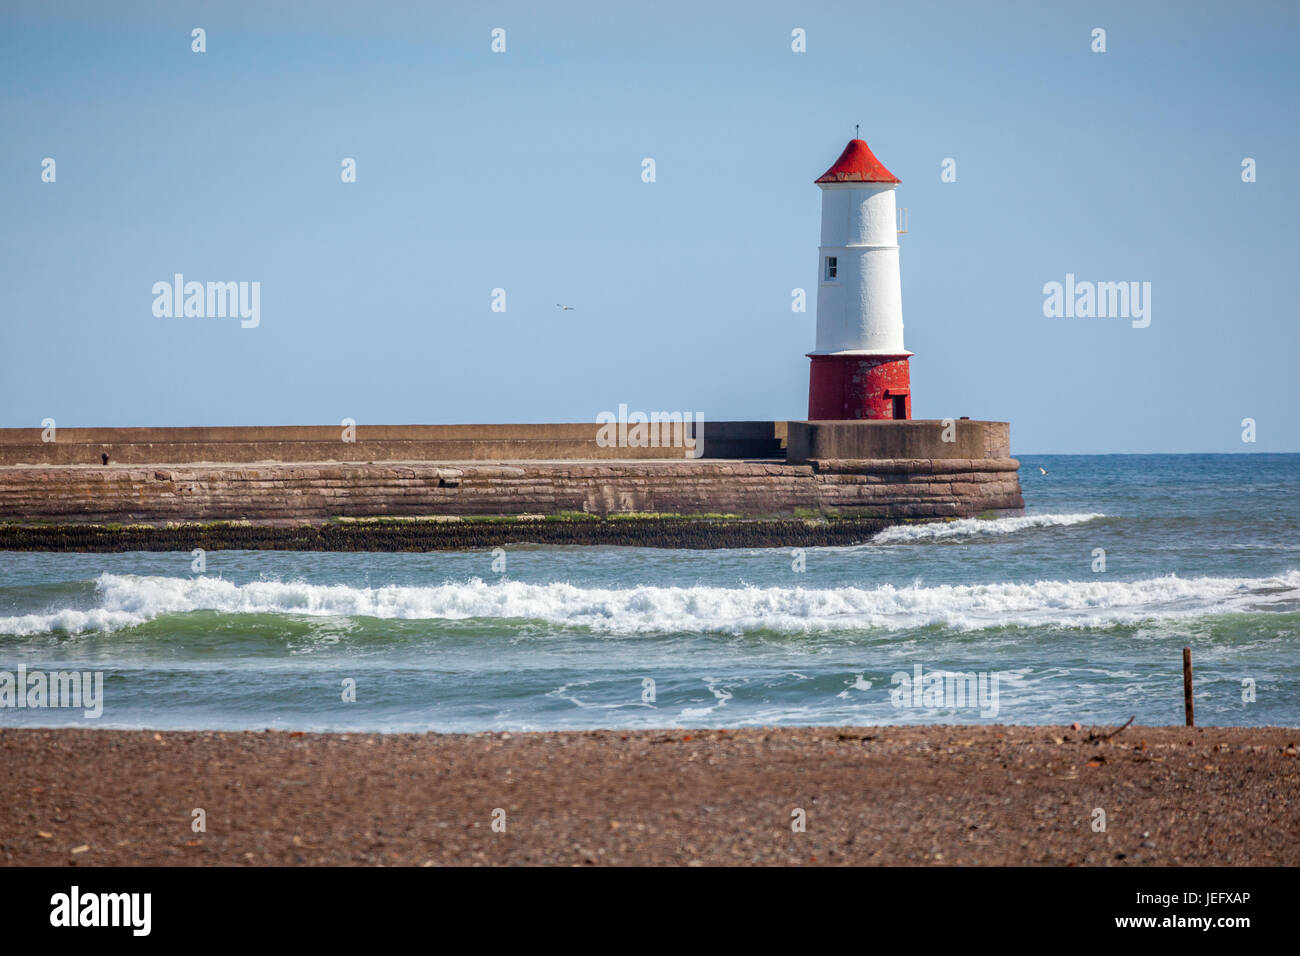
<point x="1187" y="687"/>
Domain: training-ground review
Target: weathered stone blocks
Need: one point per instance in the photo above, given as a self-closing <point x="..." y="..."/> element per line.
<point x="890" y="488"/>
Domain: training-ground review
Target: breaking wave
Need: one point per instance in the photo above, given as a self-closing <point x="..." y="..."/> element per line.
<point x="975" y="527"/>
<point x="128" y="600"/>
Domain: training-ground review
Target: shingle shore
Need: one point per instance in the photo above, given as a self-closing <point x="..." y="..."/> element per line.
<point x="870" y="795"/>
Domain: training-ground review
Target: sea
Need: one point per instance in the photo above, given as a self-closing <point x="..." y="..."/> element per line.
<point x="1076" y="611"/>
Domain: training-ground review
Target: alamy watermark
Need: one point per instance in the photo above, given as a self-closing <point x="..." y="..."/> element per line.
<point x="75" y="908"/>
<point x="37" y="689"/>
<point x="1098" y="300"/>
<point x="939" y="689"/>
<point x="212" y="300"/>
<point x="654" y="430"/>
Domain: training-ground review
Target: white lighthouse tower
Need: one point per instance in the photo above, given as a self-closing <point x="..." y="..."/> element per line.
<point x="859" y="367"/>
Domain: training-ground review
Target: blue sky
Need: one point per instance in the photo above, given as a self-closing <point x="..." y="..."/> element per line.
<point x="522" y="171"/>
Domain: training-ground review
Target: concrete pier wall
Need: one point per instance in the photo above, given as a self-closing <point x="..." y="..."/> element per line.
<point x="375" y="443"/>
<point x="916" y="438"/>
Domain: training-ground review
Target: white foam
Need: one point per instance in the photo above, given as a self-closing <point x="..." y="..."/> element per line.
<point x="976" y="527"/>
<point x="858" y="683"/>
<point x="71" y="620"/>
<point x="128" y="600"/>
<point x="720" y="695"/>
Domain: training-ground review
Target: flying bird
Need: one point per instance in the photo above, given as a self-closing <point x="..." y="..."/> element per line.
<point x="1042" y="469"/>
<point x="566" y="308"/>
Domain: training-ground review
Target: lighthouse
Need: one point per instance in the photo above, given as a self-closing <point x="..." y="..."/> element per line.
<point x="859" y="366"/>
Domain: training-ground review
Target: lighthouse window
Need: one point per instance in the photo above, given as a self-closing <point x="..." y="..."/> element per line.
<point x="830" y="267"/>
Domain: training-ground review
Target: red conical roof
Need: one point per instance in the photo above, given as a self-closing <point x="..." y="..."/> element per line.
<point x="857" y="164"/>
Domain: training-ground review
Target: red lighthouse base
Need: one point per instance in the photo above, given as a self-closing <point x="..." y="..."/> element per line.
<point x="847" y="387"/>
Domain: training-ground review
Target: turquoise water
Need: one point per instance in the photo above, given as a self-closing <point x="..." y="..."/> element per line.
<point x="1200" y="551"/>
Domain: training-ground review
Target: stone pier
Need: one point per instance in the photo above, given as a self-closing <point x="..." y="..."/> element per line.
<point x="873" y="472"/>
